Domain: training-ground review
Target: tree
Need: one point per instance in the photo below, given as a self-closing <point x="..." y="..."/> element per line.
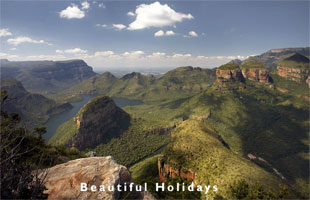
<point x="19" y="169"/>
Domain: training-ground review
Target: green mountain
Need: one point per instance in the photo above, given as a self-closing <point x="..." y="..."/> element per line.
<point x="46" y="76"/>
<point x="34" y="109"/>
<point x="181" y="82"/>
<point x="100" y="124"/>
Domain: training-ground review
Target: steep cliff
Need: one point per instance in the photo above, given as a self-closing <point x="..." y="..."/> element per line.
<point x="47" y="76"/>
<point x="229" y="78"/>
<point x="97" y="122"/>
<point x="64" y="181"/>
<point x="255" y="71"/>
<point x="166" y="171"/>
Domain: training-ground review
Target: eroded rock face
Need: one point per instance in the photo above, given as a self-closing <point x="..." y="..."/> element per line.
<point x="223" y="76"/>
<point x="98" y="121"/>
<point x="64" y="181"/>
<point x="258" y="75"/>
<point x="166" y="171"/>
<point x="294" y="74"/>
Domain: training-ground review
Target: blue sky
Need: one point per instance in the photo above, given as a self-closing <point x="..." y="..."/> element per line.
<point x="120" y="34"/>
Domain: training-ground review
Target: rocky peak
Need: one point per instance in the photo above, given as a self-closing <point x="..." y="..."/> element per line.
<point x="97" y="122"/>
<point x="64" y="181"/>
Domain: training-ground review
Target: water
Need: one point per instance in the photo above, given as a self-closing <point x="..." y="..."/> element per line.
<point x="56" y="120"/>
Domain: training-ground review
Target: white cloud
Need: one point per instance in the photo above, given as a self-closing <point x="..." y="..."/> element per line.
<point x="156" y="15"/>
<point x="20" y="40"/>
<point x="103" y="53"/>
<point x="159" y="33"/>
<point x="74" y="51"/>
<point x="193" y="34"/>
<point x="72" y="12"/>
<point x="131" y="14"/>
<point x="101" y="25"/>
<point x="169" y="33"/>
<point x="119" y="26"/>
<point x="7" y="56"/>
<point x="162" y="33"/>
<point x="133" y="54"/>
<point x="13" y="49"/>
<point x="101" y="5"/>
<point x="5" y="32"/>
<point x="85" y="5"/>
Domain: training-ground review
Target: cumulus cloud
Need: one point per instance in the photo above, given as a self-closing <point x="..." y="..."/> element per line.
<point x="72" y="12"/>
<point x="85" y="5"/>
<point x="131" y="14"/>
<point x="20" y="40"/>
<point x="159" y="33"/>
<point x="103" y="53"/>
<point x="101" y="5"/>
<point x="162" y="33"/>
<point x="5" y="32"/>
<point x="193" y="34"/>
<point x="73" y="51"/>
<point x="156" y="15"/>
<point x="119" y="26"/>
<point x="169" y="33"/>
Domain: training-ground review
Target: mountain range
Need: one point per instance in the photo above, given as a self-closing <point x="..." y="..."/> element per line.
<point x="242" y="125"/>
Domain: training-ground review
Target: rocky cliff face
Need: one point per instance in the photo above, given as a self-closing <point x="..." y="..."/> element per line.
<point x="97" y="122"/>
<point x="64" y="181"/>
<point x="258" y="75"/>
<point x="166" y="171"/>
<point x="223" y="76"/>
<point x="295" y="68"/>
<point x="293" y="74"/>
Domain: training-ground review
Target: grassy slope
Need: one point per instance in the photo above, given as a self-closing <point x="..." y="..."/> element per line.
<point x="212" y="162"/>
<point x="250" y="121"/>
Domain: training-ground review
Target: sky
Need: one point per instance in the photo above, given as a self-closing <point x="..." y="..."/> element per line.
<point x="149" y="34"/>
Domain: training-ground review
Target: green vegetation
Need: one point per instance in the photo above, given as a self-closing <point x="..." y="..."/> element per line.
<point x="64" y="133"/>
<point x="23" y="154"/>
<point x="179" y="83"/>
<point x="252" y="65"/>
<point x="229" y="66"/>
<point x="293" y="64"/>
<point x="34" y="109"/>
<point x="242" y="190"/>
<point x="142" y="139"/>
<point x="196" y="147"/>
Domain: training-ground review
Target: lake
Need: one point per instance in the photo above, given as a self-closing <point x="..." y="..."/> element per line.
<point x="56" y="120"/>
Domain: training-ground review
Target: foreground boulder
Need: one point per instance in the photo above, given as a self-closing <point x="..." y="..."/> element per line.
<point x="64" y="181"/>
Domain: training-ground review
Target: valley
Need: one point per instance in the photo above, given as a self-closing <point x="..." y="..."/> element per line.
<point x="191" y="124"/>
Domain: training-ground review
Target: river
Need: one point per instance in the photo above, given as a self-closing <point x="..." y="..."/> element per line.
<point x="56" y="120"/>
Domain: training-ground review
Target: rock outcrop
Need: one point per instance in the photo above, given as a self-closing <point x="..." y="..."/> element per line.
<point x="229" y="73"/>
<point x="295" y="68"/>
<point x="97" y="122"/>
<point x="166" y="171"/>
<point x="255" y="71"/>
<point x="64" y="181"/>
